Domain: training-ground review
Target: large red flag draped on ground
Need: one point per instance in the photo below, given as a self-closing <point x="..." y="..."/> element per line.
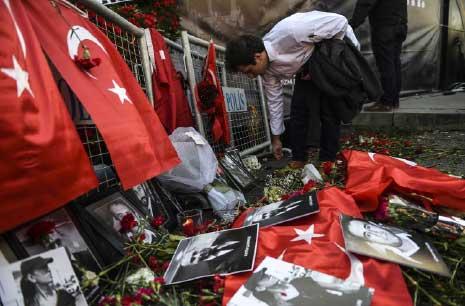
<point x="170" y="100"/>
<point x="369" y="175"/>
<point x="42" y="162"/>
<point x="138" y="144"/>
<point x="220" y="121"/>
<point x="316" y="243"/>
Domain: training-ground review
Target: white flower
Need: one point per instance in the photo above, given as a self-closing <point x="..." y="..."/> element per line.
<point x="89" y="279"/>
<point x="143" y="275"/>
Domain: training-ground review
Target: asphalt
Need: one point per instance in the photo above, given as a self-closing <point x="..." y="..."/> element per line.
<point x="431" y="111"/>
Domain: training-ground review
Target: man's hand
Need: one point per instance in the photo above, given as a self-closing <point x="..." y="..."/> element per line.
<point x="277" y="147"/>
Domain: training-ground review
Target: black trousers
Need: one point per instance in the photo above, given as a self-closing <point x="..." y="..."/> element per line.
<point x="386" y="42"/>
<point x="309" y="103"/>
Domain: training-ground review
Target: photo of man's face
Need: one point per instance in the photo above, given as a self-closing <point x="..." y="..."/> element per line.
<point x="373" y="233"/>
<point x="266" y="282"/>
<point x="118" y="210"/>
<point x="141" y="194"/>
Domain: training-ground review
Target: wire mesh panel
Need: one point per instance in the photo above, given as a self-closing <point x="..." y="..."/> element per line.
<point x="128" y="45"/>
<point x="248" y="128"/>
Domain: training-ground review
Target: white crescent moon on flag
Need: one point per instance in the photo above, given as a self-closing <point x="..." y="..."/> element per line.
<point x="356" y="268"/>
<point x="18" y="31"/>
<point x="406" y="161"/>
<point x="76" y="35"/>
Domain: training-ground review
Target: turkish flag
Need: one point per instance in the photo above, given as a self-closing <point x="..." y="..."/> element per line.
<point x="138" y="144"/>
<point x="220" y="121"/>
<point x="369" y="175"/>
<point x="42" y="162"/>
<point x="316" y="242"/>
<point x="170" y="100"/>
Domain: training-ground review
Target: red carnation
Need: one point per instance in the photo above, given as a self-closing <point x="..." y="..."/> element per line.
<point x="218" y="285"/>
<point x="157" y="221"/>
<point x="87" y="63"/>
<point x="154" y="263"/>
<point x="327" y="167"/>
<point x="144" y="293"/>
<point x="128" y="223"/>
<point x="107" y="301"/>
<point x="40" y="230"/>
<point x="159" y="279"/>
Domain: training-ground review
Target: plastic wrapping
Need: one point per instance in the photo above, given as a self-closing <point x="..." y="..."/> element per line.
<point x="198" y="162"/>
<point x="224" y="199"/>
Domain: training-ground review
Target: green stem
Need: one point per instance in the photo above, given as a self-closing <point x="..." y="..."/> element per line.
<point x="415" y="283"/>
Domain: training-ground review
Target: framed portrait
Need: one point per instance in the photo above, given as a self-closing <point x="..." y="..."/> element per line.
<point x="57" y="229"/>
<point x="114" y="212"/>
<point x="148" y="200"/>
<point x="168" y="204"/>
<point x="44" y="279"/>
<point x="391" y="243"/>
<point x="235" y="171"/>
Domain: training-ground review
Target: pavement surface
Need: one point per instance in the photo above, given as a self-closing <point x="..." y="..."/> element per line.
<point x="430" y="111"/>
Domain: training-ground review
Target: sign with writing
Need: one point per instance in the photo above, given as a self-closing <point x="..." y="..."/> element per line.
<point x="235" y="99"/>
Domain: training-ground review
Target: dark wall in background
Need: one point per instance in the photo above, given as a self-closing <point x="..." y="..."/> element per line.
<point x="421" y="55"/>
<point x="453" y="61"/>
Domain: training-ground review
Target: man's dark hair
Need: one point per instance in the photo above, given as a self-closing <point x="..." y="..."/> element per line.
<point x="241" y="51"/>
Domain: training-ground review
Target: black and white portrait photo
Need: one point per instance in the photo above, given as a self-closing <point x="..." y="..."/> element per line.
<point x="237" y="172"/>
<point x="114" y="210"/>
<point x="283" y="211"/>
<point x="41" y="280"/>
<point x="53" y="231"/>
<point x="223" y="252"/>
<point x="275" y="282"/>
<point x="392" y="244"/>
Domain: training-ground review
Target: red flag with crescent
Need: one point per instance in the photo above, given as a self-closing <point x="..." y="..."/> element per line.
<point x="138" y="144"/>
<point x="42" y="162"/>
<point x="316" y="242"/>
<point x="369" y="175"/>
<point x="220" y="121"/>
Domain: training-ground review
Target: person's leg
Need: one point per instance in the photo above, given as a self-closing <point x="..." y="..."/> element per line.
<point x="330" y="130"/>
<point x="313" y="132"/>
<point x="398" y="73"/>
<point x="299" y="120"/>
<point x="401" y="35"/>
<point x="382" y="42"/>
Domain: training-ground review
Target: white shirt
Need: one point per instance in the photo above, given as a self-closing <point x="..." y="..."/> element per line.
<point x="289" y="45"/>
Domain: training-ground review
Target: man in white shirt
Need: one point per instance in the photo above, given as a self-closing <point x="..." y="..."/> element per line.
<point x="281" y="54"/>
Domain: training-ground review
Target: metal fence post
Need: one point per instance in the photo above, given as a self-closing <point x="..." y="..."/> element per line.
<point x="146" y="67"/>
<point x="265" y="111"/>
<point x="192" y="81"/>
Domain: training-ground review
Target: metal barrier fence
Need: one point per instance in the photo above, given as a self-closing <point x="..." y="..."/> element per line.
<point x="249" y="130"/>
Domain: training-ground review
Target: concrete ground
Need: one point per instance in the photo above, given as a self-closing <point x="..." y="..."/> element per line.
<point x="432" y="111"/>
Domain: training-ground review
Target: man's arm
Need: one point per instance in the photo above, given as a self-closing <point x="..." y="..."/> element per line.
<point x="274" y="95"/>
<point x="315" y="26"/>
<point x="362" y="9"/>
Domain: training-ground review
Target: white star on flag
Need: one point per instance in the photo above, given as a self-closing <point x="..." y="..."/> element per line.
<point x="120" y="92"/>
<point x="281" y="256"/>
<point x="20" y="76"/>
<point x="307" y="235"/>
